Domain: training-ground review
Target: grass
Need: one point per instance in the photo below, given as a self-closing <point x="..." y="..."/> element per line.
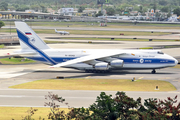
<point x="97" y="84"/>
<point x="7" y="113"/>
<point x="172" y="46"/>
<point x="16" y="61"/>
<point x="1" y="46"/>
<point x="147" y="48"/>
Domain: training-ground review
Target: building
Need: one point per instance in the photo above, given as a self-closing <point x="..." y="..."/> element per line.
<point x="66" y="11"/>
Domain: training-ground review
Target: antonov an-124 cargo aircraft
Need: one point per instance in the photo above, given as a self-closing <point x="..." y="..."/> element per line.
<point x="90" y="60"/>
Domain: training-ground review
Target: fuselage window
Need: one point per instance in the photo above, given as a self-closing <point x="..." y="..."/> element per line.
<point x="160" y="52"/>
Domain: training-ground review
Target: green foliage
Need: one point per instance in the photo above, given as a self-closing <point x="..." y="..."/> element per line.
<point x="99" y="14"/>
<point x="154" y="109"/>
<point x="163" y="2"/>
<point x="2" y="24"/>
<point x="165" y="9"/>
<point x="104" y="108"/>
<point x="120" y="107"/>
<point x="80" y="10"/>
<point x="3" y="6"/>
<point x="22" y="8"/>
<point x="177" y="11"/>
<point x="108" y="108"/>
<point x="124" y="108"/>
<point x="110" y="11"/>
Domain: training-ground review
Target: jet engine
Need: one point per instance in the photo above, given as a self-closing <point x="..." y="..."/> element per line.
<point x="101" y="66"/>
<point x="117" y="63"/>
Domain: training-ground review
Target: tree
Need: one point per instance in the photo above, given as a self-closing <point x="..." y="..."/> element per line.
<point x="99" y="14"/>
<point x="140" y="9"/>
<point x="43" y="8"/>
<point x="80" y="10"/>
<point x="110" y="11"/>
<point x="56" y="113"/>
<point x="165" y="9"/>
<point x="2" y="24"/>
<point x="121" y="107"/>
<point x="22" y="8"/>
<point x="163" y="2"/>
<point x="177" y="11"/>
<point x="35" y="7"/>
<point x="108" y="108"/>
<point x="3" y="6"/>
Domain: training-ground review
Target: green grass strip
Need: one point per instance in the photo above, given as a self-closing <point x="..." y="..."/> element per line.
<point x="97" y="84"/>
<point x="16" y="61"/>
<point x="1" y="46"/>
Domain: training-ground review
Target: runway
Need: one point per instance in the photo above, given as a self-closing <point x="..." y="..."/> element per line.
<point x="75" y="98"/>
<point x="36" y="98"/>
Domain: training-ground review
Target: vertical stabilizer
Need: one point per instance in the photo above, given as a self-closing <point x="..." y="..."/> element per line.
<point x="55" y="30"/>
<point x="28" y="38"/>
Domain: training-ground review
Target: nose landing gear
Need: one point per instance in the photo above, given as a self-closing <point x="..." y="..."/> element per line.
<point x="153" y="71"/>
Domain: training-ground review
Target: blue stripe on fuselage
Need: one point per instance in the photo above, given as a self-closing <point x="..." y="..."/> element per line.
<point x="59" y="60"/>
<point x="126" y="60"/>
<point x="147" y="61"/>
<point x="25" y="39"/>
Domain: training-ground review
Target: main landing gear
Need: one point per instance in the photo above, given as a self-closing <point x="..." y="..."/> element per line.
<point x="154" y="71"/>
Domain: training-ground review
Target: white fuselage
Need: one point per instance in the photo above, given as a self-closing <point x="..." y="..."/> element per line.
<point x="132" y="59"/>
<point x="62" y="32"/>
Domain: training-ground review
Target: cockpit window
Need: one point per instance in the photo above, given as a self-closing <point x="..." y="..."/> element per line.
<point x="160" y="52"/>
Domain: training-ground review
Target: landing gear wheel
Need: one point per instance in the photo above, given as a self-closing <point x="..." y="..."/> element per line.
<point x="154" y="71"/>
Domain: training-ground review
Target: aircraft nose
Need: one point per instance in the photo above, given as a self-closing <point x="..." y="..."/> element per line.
<point x="176" y="62"/>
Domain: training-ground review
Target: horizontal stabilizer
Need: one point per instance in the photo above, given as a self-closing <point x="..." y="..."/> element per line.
<point x="20" y="54"/>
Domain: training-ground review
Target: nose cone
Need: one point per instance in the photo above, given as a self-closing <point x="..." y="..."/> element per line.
<point x="176" y="62"/>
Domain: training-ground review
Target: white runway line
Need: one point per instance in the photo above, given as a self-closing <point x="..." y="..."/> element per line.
<point x="11" y="74"/>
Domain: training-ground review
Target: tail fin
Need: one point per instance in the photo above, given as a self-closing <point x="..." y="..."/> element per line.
<point x="55" y="30"/>
<point x="28" y="38"/>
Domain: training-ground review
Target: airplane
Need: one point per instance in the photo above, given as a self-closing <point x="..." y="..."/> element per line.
<point x="89" y="60"/>
<point x="62" y="32"/>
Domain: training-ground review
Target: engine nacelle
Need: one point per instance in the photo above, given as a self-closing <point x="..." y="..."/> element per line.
<point x="117" y="63"/>
<point x="101" y="66"/>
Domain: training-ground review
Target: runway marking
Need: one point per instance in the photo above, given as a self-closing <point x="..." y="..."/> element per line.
<point x="164" y="78"/>
<point x="176" y="80"/>
<point x="140" y="78"/>
<point x="11" y="74"/>
<point x="87" y="77"/>
<point x="35" y="106"/>
<point x="19" y="96"/>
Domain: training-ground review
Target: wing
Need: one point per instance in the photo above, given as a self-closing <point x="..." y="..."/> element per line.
<point x="86" y="59"/>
